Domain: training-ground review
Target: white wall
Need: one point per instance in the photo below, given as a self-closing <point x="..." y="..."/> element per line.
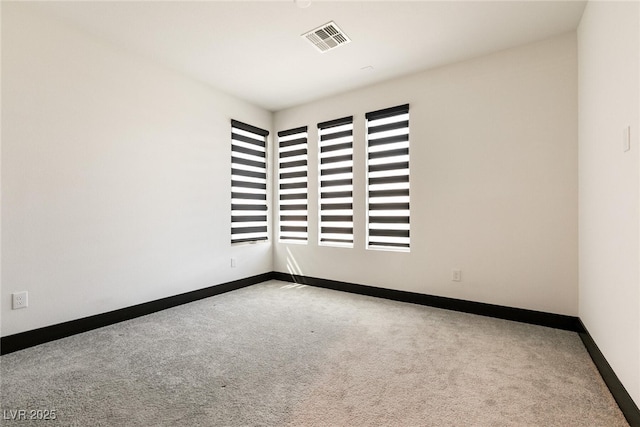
<point x="114" y="180"/>
<point x="493" y="181"/>
<point x="1" y="305"/>
<point x="115" y="177"/>
<point x="609" y="86"/>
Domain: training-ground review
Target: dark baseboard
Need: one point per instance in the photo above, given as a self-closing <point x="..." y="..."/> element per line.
<point x="20" y="341"/>
<point x="557" y="321"/>
<point x="620" y="394"/>
<point x="23" y="340"/>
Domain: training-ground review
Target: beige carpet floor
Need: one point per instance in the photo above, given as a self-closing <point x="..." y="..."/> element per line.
<point x="278" y="354"/>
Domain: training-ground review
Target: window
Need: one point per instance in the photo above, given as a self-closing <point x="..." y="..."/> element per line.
<point x="292" y="185"/>
<point x="248" y="183"/>
<point x="388" y="178"/>
<point x="336" y="182"/>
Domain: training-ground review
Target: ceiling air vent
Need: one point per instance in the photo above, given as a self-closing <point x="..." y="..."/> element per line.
<point x="327" y="37"/>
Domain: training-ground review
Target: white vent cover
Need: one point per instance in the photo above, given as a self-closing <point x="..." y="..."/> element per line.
<point x="327" y="37"/>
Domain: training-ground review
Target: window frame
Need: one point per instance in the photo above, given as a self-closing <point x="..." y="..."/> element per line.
<point x="249" y="184"/>
<point x="293" y="177"/>
<point x="336" y="135"/>
<point x="388" y="180"/>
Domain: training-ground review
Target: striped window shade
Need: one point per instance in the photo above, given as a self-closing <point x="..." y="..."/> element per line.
<point x="292" y="185"/>
<point x="336" y="182"/>
<point x="388" y="179"/>
<point x="248" y="183"/>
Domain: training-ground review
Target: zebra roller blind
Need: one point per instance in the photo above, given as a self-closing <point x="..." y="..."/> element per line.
<point x="292" y="185"/>
<point x="336" y="182"/>
<point x="388" y="179"/>
<point x="248" y="183"/>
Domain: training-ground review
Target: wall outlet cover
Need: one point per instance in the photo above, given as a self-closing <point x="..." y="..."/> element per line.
<point x="20" y="300"/>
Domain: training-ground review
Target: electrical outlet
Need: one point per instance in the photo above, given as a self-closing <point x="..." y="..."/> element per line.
<point x="456" y="275"/>
<point x="234" y="262"/>
<point x="20" y="299"/>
